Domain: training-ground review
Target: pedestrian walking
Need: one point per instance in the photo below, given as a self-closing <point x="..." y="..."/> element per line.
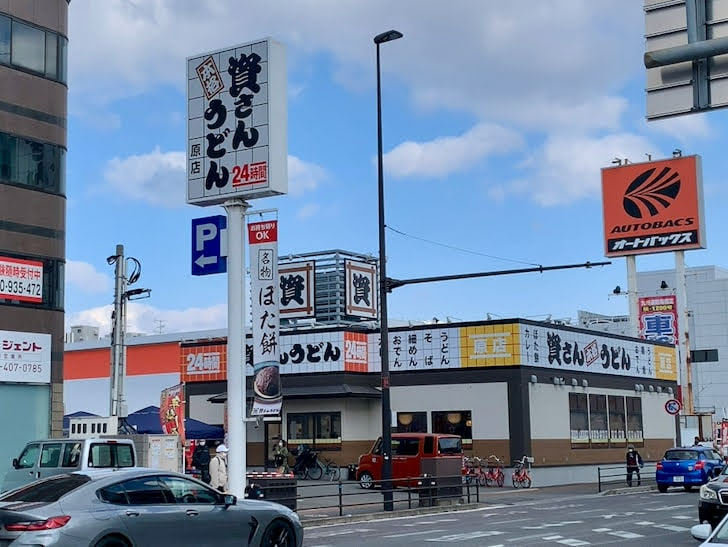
<point x="218" y="469"/>
<point x="201" y="460"/>
<point x="634" y="464"/>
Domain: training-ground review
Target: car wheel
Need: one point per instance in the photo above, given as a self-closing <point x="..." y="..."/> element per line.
<point x="366" y="481"/>
<point x="688" y="488"/>
<point x="278" y="534"/>
<point x="662" y="488"/>
<point x="112" y="541"/>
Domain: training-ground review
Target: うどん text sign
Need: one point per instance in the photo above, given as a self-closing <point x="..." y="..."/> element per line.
<point x="653" y="207"/>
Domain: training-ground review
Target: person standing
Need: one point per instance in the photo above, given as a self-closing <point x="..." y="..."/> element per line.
<point x="201" y="461"/>
<point x="280" y="457"/>
<point x="634" y="463"/>
<point x="218" y="469"/>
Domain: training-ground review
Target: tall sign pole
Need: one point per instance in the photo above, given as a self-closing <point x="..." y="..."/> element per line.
<point x="683" y="345"/>
<point x="236" y="151"/>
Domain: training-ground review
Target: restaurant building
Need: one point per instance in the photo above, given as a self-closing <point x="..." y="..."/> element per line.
<point x="563" y="395"/>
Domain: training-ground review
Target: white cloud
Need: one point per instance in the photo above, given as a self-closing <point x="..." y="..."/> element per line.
<point x="445" y="155"/>
<point x="83" y="277"/>
<point x="143" y="318"/>
<point x="308" y="210"/>
<point x="157" y="177"/>
<point x="538" y="64"/>
<point x="684" y="128"/>
<point x="304" y="176"/>
<point x="568" y="167"/>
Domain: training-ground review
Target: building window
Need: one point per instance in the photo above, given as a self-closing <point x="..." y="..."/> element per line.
<point x="4" y="40"/>
<point x="28" y="47"/>
<point x="635" y="433"/>
<point x="579" y="420"/>
<point x="320" y="429"/>
<point x="598" y="421"/>
<point x="411" y="422"/>
<point x="53" y="285"/>
<point x="63" y="59"/>
<point x="456" y="422"/>
<point x="28" y="163"/>
<point x="51" y="55"/>
<point x="617" y="421"/>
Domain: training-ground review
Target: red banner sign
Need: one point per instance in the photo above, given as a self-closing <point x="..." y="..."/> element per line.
<point x="172" y="411"/>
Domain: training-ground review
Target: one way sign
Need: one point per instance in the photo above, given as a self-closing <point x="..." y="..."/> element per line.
<point x="209" y="245"/>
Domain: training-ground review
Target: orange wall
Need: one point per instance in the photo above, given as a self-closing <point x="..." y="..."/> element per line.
<point x="143" y="359"/>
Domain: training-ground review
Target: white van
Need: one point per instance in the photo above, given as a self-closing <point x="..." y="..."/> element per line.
<point x="42" y="459"/>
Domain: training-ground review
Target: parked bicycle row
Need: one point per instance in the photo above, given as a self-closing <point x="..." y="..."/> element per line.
<point x="307" y="464"/>
<point x="489" y="471"/>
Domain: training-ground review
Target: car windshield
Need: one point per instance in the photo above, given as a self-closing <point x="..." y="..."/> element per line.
<point x="47" y="491"/>
<point x="450" y="445"/>
<point x="681" y="455"/>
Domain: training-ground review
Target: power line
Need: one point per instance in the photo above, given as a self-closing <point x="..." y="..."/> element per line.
<point x="461" y="249"/>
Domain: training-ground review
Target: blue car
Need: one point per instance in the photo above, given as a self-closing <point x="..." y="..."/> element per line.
<point x="688" y="467"/>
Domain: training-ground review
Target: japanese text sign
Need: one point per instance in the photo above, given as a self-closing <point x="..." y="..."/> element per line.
<point x="361" y="289"/>
<point x="25" y="357"/>
<point x="237" y="123"/>
<point x="172" y="411"/>
<point x="263" y="240"/>
<point x="658" y="318"/>
<point x="297" y="289"/>
<point x="653" y="207"/>
<point x="21" y="280"/>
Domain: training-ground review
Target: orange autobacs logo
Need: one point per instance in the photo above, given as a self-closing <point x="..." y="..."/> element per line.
<point x="653" y="207"/>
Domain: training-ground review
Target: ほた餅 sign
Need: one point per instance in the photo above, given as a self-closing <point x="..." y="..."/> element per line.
<point x="236" y="123"/>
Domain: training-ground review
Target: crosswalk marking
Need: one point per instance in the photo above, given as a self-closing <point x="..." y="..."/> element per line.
<point x="465" y="537"/>
<point x="626" y="535"/>
<point x="645" y="523"/>
<point x="420" y="533"/>
<point x="573" y="542"/>
<point x="552" y="538"/>
<point x="672" y="528"/>
<point x="682" y="517"/>
<point x="601" y="530"/>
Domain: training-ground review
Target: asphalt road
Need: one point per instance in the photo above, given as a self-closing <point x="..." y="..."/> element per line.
<point x="532" y="518"/>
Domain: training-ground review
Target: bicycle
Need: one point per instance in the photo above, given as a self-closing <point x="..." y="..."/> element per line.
<point x="330" y="469"/>
<point x="307" y="464"/>
<point x="521" y="477"/>
<point x="473" y="470"/>
<point x="494" y="474"/>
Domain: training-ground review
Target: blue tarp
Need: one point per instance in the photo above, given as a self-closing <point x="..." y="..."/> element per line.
<point x="146" y="420"/>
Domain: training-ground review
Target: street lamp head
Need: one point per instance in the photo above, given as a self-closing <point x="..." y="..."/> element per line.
<point x="387" y="36"/>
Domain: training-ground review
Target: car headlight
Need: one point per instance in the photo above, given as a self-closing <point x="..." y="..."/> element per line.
<point x="707" y="493"/>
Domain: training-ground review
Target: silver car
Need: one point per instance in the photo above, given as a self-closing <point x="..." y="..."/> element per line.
<point x="139" y="507"/>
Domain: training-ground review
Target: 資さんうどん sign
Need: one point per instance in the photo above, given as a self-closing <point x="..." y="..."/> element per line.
<point x="653" y="207"/>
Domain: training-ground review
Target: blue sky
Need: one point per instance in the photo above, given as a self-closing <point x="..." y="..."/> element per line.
<point x="497" y="121"/>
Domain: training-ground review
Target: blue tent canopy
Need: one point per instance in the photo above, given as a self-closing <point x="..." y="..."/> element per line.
<point x="146" y="420"/>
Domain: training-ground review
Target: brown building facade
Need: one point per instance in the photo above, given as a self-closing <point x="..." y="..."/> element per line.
<point x="33" y="145"/>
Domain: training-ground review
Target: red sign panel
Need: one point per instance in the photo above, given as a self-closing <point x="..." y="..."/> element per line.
<point x="21" y="280"/>
<point x="172" y="411"/>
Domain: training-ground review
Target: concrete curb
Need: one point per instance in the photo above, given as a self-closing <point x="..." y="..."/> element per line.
<point x="325" y="521"/>
<point x="629" y="490"/>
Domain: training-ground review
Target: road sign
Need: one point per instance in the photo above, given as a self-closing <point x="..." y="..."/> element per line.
<point x="673" y="406"/>
<point x="209" y="248"/>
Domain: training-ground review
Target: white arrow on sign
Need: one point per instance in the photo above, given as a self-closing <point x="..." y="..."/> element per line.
<point x="203" y="260"/>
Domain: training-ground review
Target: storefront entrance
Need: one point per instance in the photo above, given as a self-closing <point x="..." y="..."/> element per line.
<point x="272" y="434"/>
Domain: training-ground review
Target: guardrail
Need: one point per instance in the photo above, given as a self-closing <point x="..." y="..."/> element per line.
<point x="615" y="476"/>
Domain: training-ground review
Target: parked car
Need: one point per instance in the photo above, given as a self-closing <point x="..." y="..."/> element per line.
<point x="687" y="467"/>
<point x="408" y="449"/>
<point x="713" y="500"/>
<point x="43" y="459"/>
<point x="710" y="535"/>
<point x="120" y="508"/>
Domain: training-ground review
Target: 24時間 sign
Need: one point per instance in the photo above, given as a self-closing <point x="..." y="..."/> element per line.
<point x="237" y="123"/>
<point x="653" y="207"/>
<point x="21" y="280"/>
<point x="25" y="357"/>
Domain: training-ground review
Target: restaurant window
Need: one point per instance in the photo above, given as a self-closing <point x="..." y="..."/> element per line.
<point x="617" y="421"/>
<point x="319" y="429"/>
<point x="411" y="422"/>
<point x="579" y="420"/>
<point x="455" y="422"/>
<point x="28" y="47"/>
<point x="598" y="421"/>
<point x="635" y="433"/>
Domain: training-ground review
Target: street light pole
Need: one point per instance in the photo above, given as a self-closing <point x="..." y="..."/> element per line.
<point x="383" y="323"/>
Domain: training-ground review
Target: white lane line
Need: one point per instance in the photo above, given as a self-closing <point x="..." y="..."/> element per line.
<point x="672" y="508"/>
<point x="671" y="527"/>
<point x="465" y="537"/>
<point x="626" y="535"/>
<point x="573" y="542"/>
<point x="644" y="523"/>
<point x="683" y="517"/>
<point x="420" y="533"/>
<point x="552" y="538"/>
<point x="601" y="530"/>
<point x="319" y="535"/>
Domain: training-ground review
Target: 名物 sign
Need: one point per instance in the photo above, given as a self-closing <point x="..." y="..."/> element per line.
<point x="263" y="241"/>
<point x="658" y="318"/>
<point x="236" y="129"/>
<point x="25" y="357"/>
<point x="653" y="207"/>
<point x="21" y="279"/>
<point x="297" y="289"/>
<point x="673" y="406"/>
<point x="360" y="289"/>
<point x="209" y="245"/>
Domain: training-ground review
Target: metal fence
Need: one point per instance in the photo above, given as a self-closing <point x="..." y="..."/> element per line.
<point x="616" y="476"/>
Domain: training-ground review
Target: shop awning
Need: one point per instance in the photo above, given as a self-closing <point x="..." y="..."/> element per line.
<point x="311" y="392"/>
